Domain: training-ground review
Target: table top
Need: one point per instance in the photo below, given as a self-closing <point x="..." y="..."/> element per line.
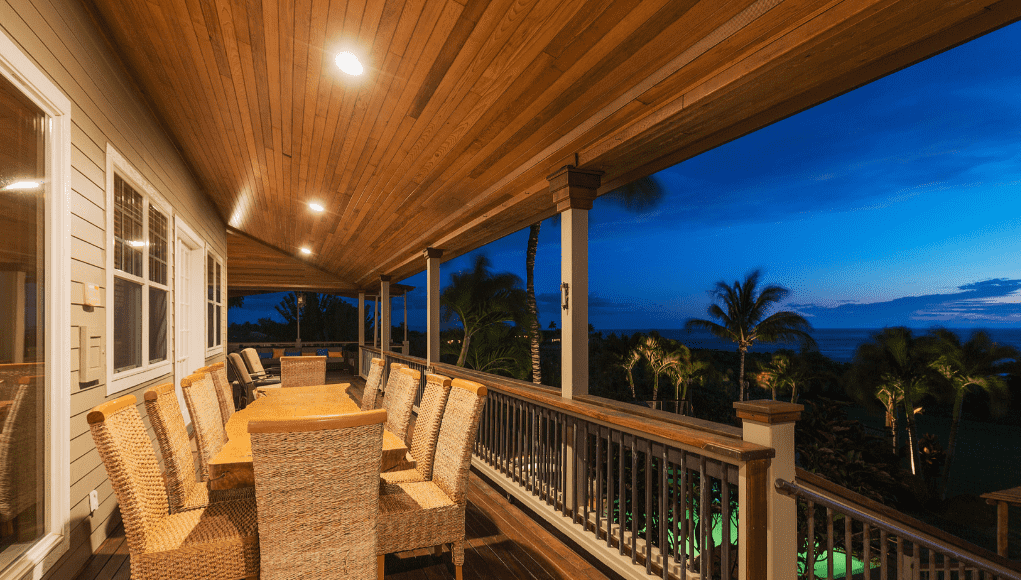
<point x="1012" y="495"/>
<point x="232" y="466"/>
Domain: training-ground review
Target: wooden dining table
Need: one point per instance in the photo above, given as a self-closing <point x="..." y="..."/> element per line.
<point x="232" y="466"/>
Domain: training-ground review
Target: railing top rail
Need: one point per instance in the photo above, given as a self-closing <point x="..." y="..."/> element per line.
<point x="824" y="491"/>
<point x="667" y="417"/>
<point x="721" y="445"/>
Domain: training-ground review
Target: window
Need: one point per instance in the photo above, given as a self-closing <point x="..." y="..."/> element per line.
<point x="214" y="301"/>
<point x="35" y="297"/>
<point x="139" y="274"/>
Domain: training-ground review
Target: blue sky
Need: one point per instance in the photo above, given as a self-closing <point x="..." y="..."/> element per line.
<point x="897" y="203"/>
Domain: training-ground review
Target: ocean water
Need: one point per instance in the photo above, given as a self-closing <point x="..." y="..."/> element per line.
<point x="838" y="344"/>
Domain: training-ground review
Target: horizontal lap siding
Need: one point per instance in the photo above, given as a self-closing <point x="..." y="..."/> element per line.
<point x="61" y="39"/>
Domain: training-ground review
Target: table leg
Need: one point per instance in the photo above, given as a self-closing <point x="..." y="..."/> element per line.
<point x="1002" y="511"/>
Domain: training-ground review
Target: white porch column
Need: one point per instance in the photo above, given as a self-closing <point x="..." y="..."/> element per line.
<point x="770" y="424"/>
<point x="361" y="329"/>
<point x="384" y="306"/>
<point x="573" y="191"/>
<point x="432" y="268"/>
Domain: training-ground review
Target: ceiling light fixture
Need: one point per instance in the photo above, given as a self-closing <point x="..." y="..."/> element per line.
<point x="349" y="63"/>
<point x="22" y="185"/>
<point x="306" y="251"/>
<point x="315" y="207"/>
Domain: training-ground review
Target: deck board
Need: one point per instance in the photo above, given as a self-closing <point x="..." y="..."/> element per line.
<point x="502" y="542"/>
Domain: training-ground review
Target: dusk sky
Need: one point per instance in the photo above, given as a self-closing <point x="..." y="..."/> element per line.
<point x="897" y="203"/>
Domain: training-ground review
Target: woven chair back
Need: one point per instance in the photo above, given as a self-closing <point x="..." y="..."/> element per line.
<point x="427" y="425"/>
<point x="210" y="436"/>
<point x="457" y="437"/>
<point x="399" y="400"/>
<point x="224" y="392"/>
<point x="172" y="435"/>
<point x="317" y="518"/>
<point x="21" y="449"/>
<point x="302" y="371"/>
<point x="251" y="358"/>
<point x="372" y="383"/>
<point x="130" y="461"/>
<point x="393" y="378"/>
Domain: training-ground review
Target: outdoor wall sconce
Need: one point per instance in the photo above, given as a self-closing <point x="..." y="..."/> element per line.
<point x="564" y="290"/>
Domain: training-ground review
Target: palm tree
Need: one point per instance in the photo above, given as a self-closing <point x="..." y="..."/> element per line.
<point x="684" y="371"/>
<point x="894" y="368"/>
<point x="640" y="195"/>
<point x="629" y="361"/>
<point x="742" y="318"/>
<point x="480" y="298"/>
<point x="658" y="358"/>
<point x="977" y="363"/>
<point x="782" y="373"/>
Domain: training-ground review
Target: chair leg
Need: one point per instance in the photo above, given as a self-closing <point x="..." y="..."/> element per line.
<point x="438" y="550"/>
<point x="457" y="573"/>
<point x="379" y="566"/>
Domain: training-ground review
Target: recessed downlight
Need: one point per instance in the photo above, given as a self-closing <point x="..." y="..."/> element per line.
<point x="315" y="207"/>
<point x="306" y="251"/>
<point x="22" y="185"/>
<point x="349" y="63"/>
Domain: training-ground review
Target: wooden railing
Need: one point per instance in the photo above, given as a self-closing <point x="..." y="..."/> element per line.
<point x="839" y="523"/>
<point x="653" y="492"/>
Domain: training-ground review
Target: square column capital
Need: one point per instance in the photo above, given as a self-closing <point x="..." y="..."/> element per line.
<point x="574" y="188"/>
<point x="433" y="253"/>
<point x="768" y="412"/>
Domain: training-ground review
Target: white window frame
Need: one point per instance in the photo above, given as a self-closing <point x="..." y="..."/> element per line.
<point x="116" y="164"/>
<point x="217" y="349"/>
<point x="17" y="68"/>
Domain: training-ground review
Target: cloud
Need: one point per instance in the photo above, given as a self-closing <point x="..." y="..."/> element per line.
<point x="993" y="302"/>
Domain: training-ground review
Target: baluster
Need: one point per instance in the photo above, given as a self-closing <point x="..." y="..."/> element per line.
<point x="533" y="441"/>
<point x="634" y="501"/>
<point x="647" y="511"/>
<point x="946" y="567"/>
<point x="725" y="522"/>
<point x="609" y="486"/>
<point x="900" y="559"/>
<point x="678" y="512"/>
<point x="916" y="558"/>
<point x="664" y="548"/>
<point x="884" y="563"/>
<point x="599" y="478"/>
<point x="621" y="506"/>
<point x="705" y="519"/>
<point x="829" y="544"/>
<point x="847" y="547"/>
<point x="810" y="557"/>
<point x="867" y="550"/>
<point x="689" y="511"/>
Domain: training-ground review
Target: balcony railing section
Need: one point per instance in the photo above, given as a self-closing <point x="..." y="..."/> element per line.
<point x="844" y="535"/>
<point x="660" y="494"/>
<point x="419" y="364"/>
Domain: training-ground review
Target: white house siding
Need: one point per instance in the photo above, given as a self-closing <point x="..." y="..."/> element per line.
<point x="62" y="40"/>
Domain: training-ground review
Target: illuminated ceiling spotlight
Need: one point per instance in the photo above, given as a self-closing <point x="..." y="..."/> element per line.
<point x="349" y="63"/>
<point x="316" y="207"/>
<point x="306" y="251"/>
<point x="22" y="185"/>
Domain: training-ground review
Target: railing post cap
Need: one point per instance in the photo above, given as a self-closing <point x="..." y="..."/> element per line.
<point x="768" y="412"/>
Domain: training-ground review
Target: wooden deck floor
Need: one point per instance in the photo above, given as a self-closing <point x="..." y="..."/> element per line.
<point x="502" y="543"/>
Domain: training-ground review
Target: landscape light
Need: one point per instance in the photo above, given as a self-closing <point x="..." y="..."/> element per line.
<point x="306" y="251"/>
<point x="22" y="185"/>
<point x="349" y="63"/>
<point x="315" y="207"/>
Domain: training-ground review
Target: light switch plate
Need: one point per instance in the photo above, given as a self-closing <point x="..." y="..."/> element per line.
<point x="93" y="501"/>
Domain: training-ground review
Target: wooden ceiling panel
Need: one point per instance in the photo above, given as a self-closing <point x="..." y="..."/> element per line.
<point x="466" y="106"/>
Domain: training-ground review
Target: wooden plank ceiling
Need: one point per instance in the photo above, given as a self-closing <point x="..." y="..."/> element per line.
<point x="467" y="105"/>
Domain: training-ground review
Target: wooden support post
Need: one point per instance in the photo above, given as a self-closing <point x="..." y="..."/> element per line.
<point x="405" y="346"/>
<point x="384" y="306"/>
<point x="361" y="330"/>
<point x="573" y="191"/>
<point x="768" y="525"/>
<point x="375" y="321"/>
<point x="432" y="266"/>
<point x="1002" y="513"/>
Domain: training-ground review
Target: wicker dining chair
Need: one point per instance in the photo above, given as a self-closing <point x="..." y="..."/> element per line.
<point x="316" y="486"/>
<point x="224" y="391"/>
<point x="21" y="451"/>
<point x="184" y="492"/>
<point x="372" y="383"/>
<point x="219" y="542"/>
<point x="302" y="371"/>
<point x="430" y="513"/>
<point x="210" y="436"/>
<point x="254" y="364"/>
<point x="399" y="400"/>
<point x="427" y="430"/>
